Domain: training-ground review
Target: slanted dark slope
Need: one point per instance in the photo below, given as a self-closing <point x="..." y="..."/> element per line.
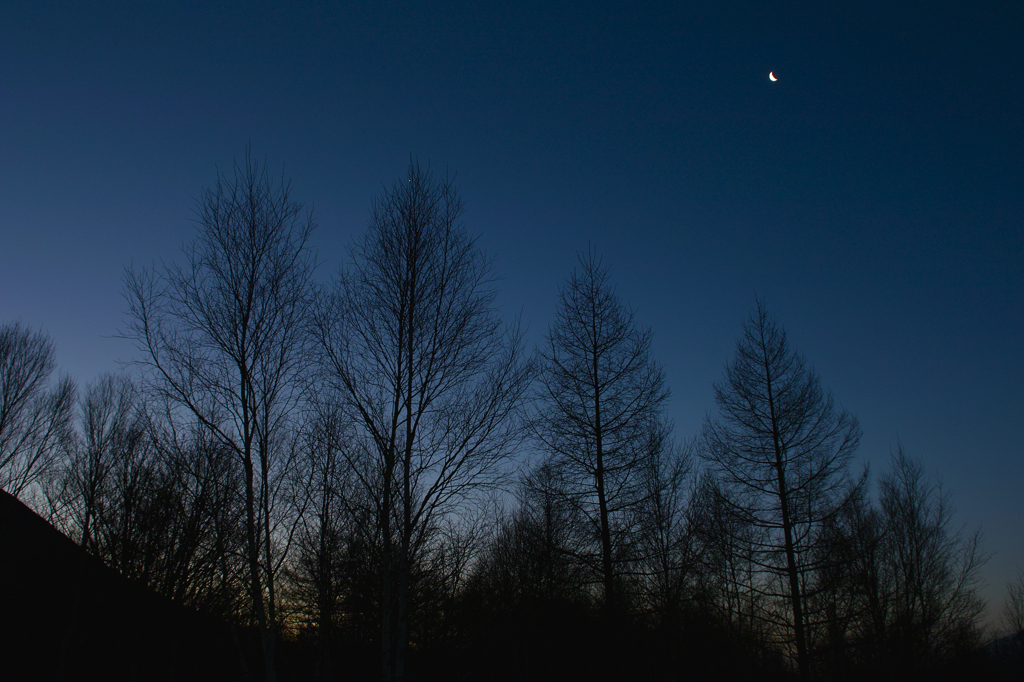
<point x="64" y="615"/>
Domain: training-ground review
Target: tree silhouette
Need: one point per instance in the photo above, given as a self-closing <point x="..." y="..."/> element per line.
<point x="928" y="604"/>
<point x="222" y="339"/>
<point x="1013" y="607"/>
<point x="317" y="575"/>
<point x="410" y="341"/>
<point x="156" y="504"/>
<point x="106" y="473"/>
<point x="34" y="420"/>
<point x="599" y="400"/>
<point x="780" y="449"/>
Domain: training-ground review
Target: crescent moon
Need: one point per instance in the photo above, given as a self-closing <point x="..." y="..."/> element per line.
<point x="771" y="75"/>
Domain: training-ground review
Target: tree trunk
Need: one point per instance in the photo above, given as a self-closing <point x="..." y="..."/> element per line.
<point x="602" y="501"/>
<point x="385" y="571"/>
<point x="271" y="629"/>
<point x="410" y="435"/>
<point x="255" y="586"/>
<point x="787" y="531"/>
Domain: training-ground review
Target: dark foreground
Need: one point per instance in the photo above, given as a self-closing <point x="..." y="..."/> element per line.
<point x="64" y="615"/>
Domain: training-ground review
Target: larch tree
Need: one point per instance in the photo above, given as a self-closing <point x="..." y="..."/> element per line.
<point x="781" y="450"/>
<point x="599" y="399"/>
<point x="222" y="338"/>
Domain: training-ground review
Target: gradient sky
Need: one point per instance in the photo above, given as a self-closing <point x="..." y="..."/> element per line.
<point x="874" y="195"/>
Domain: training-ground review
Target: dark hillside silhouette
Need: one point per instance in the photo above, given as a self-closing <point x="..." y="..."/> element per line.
<point x="64" y="615"/>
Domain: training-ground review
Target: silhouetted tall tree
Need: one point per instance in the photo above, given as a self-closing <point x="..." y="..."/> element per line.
<point x="901" y="594"/>
<point x="928" y="604"/>
<point x="222" y="338"/>
<point x="1013" y="608"/>
<point x="600" y="398"/>
<point x="781" y="450"/>
<point x="428" y="373"/>
<point x="35" y="420"/>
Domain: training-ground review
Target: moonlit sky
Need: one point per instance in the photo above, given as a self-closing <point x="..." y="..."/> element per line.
<point x="874" y="195"/>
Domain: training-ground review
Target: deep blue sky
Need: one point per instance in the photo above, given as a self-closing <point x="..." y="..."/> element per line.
<point x="874" y="195"/>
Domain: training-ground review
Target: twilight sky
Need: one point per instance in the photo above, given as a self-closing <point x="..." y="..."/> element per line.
<point x="874" y="195"/>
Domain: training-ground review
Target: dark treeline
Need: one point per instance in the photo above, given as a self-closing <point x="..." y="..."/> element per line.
<point x="374" y="478"/>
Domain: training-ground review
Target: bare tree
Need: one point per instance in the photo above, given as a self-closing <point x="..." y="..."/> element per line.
<point x="532" y="557"/>
<point x="668" y="544"/>
<point x="902" y="597"/>
<point x="781" y="451"/>
<point x="324" y="478"/>
<point x="729" y="549"/>
<point x="929" y="569"/>
<point x="599" y="399"/>
<point x="1013" y="609"/>
<point x="34" y="419"/>
<point x="108" y="456"/>
<point x="847" y="557"/>
<point x="222" y="338"/>
<point x="150" y="501"/>
<point x="201" y="557"/>
<point x="429" y="374"/>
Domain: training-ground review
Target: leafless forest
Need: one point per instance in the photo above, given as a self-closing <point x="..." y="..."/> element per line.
<point x="375" y="478"/>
